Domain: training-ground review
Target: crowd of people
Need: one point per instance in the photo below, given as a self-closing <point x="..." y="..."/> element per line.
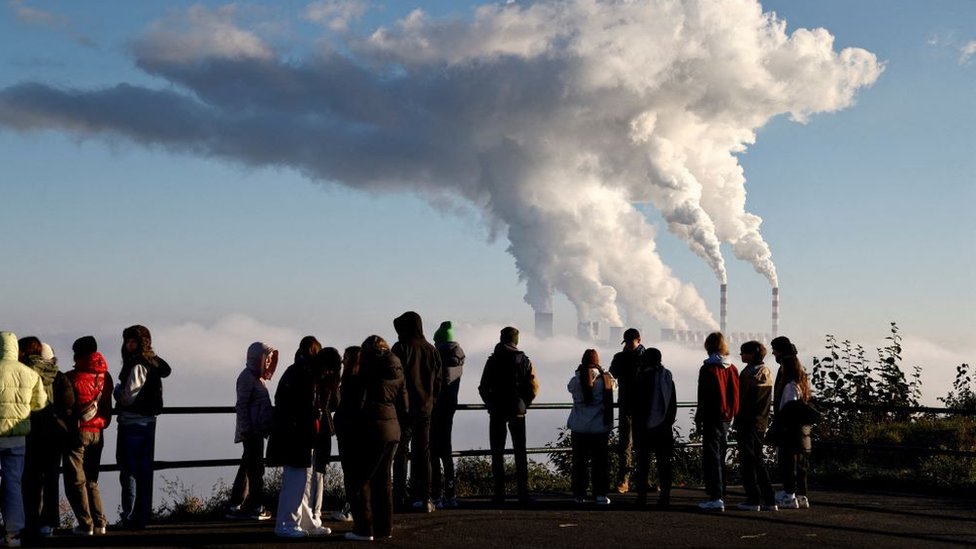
<point x="391" y="410"/>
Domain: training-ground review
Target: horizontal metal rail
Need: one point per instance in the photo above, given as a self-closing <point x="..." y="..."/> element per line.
<point x="233" y="462"/>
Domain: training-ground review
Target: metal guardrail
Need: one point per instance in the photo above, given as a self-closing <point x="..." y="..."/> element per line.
<point x="233" y="462"/>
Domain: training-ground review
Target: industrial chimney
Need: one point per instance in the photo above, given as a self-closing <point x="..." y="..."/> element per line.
<point x="724" y="310"/>
<point x="543" y="325"/>
<point x="775" y="312"/>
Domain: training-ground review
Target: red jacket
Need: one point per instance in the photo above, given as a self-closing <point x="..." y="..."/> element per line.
<point x="91" y="381"/>
<point x="718" y="391"/>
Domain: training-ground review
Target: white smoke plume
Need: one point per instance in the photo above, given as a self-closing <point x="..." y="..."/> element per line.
<point x="551" y="118"/>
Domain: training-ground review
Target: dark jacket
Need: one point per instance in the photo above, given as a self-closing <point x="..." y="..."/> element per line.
<point x="792" y="421"/>
<point x="49" y="421"/>
<point x="452" y="366"/>
<point x="508" y="384"/>
<point x="624" y="368"/>
<point x="718" y="391"/>
<point x="420" y="361"/>
<point x="656" y="394"/>
<point x="297" y="418"/>
<point x="755" y="398"/>
<point x="375" y="403"/>
<point x="149" y="399"/>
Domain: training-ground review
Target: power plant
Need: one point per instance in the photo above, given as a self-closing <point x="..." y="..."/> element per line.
<point x="590" y="331"/>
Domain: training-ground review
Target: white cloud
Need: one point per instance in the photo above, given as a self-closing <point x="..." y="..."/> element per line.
<point x="200" y="33"/>
<point x="967" y="52"/>
<point x="335" y="14"/>
<point x="36" y="16"/>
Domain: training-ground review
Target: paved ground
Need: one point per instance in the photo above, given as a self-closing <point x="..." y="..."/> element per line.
<point x="835" y="519"/>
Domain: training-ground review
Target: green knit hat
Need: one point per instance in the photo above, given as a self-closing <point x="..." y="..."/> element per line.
<point x="445" y="333"/>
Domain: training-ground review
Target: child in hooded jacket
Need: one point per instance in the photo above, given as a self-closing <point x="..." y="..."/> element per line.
<point x="254" y="413"/>
<point x="755" y="403"/>
<point x="654" y="415"/>
<point x="590" y="422"/>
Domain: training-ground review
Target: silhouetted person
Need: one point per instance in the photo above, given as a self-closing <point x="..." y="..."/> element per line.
<point x="422" y="371"/>
<point x="718" y="403"/>
<point x="590" y="422"/>
<point x="654" y="415"/>
<point x="442" y="423"/>
<point x="508" y="387"/>
<point x="755" y="403"/>
<point x="624" y="368"/>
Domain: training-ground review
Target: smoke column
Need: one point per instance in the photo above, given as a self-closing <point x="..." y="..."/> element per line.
<point x="550" y="120"/>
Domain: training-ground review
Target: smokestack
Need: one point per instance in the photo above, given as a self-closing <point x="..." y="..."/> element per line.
<point x="775" y="311"/>
<point x="724" y="310"/>
<point x="543" y="325"/>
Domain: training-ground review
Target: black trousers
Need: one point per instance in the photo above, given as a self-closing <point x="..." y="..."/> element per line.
<point x="660" y="442"/>
<point x="793" y="467"/>
<point x="415" y="443"/>
<point x="497" y="425"/>
<point x="755" y="477"/>
<point x="248" y="490"/>
<point x="441" y="430"/>
<point x="42" y="469"/>
<point x="371" y="500"/>
<point x="591" y="451"/>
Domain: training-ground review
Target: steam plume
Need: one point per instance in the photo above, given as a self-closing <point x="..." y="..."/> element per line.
<point x="552" y="119"/>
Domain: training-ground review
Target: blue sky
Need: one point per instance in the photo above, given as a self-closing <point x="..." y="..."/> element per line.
<point x="867" y="210"/>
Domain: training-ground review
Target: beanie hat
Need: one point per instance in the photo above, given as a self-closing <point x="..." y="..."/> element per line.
<point x="510" y="334"/>
<point x="84" y="346"/>
<point x="47" y="353"/>
<point x="445" y="332"/>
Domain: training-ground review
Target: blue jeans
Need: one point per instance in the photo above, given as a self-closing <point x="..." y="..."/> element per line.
<point x="12" y="504"/>
<point x="715" y="440"/>
<point x="134" y="453"/>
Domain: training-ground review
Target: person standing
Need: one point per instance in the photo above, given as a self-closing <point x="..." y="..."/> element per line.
<point x="327" y="368"/>
<point x="253" y="425"/>
<point x="422" y="371"/>
<point x="590" y="422"/>
<point x="755" y="403"/>
<point x="297" y="418"/>
<point x="442" y="422"/>
<point x="21" y="392"/>
<point x="373" y="400"/>
<point x="45" y="443"/>
<point x="792" y="421"/>
<point x="508" y="387"/>
<point x="624" y="368"/>
<point x="139" y="399"/>
<point x="654" y="418"/>
<point x="718" y="404"/>
<point x="92" y="413"/>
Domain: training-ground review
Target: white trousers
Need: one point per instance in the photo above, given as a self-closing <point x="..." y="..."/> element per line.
<point x="294" y="511"/>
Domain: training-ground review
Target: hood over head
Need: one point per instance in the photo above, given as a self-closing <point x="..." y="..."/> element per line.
<point x="256" y="354"/>
<point x="409" y="326"/>
<point x="9" y="348"/>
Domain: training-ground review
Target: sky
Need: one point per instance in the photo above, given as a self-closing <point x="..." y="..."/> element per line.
<point x="225" y="173"/>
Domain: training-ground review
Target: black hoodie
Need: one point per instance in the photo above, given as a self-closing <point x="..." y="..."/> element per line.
<point x="383" y="398"/>
<point x="420" y="360"/>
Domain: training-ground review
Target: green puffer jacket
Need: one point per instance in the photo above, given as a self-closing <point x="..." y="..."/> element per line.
<point x="21" y="390"/>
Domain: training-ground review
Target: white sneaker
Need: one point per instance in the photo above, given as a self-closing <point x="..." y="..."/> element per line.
<point x="291" y="533"/>
<point x="82" y="531"/>
<point x="318" y="531"/>
<point x="99" y="531"/>
<point x="788" y="501"/>
<point x="352" y="536"/>
<point x="802" y="502"/>
<point x="713" y="505"/>
<point x="745" y="506"/>
<point x="342" y="515"/>
<point x="602" y="500"/>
